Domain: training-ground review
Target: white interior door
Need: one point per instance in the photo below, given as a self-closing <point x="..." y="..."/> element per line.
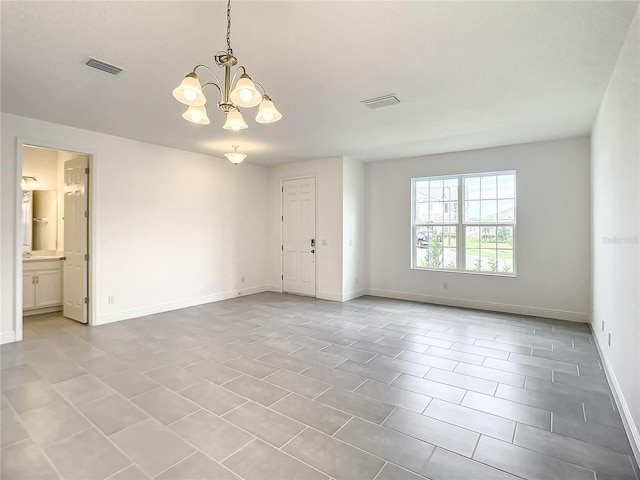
<point x="299" y="236"/>
<point x="75" y="238"/>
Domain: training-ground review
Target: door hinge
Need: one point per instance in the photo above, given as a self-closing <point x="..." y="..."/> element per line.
<point x="86" y="257"/>
<point x="86" y="170"/>
<point x="86" y="214"/>
<point x="282" y="247"/>
<point x="282" y="219"/>
<point x="283" y="189"/>
<point x="86" y="299"/>
<point x="282" y="277"/>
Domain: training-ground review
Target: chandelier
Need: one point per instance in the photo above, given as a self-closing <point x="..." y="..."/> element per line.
<point x="244" y="94"/>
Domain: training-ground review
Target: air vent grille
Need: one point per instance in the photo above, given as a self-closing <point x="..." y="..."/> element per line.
<point x="384" y="101"/>
<point x="105" y="67"/>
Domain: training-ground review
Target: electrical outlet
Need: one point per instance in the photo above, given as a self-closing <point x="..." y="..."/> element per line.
<point x="356" y="280"/>
<point x="444" y="285"/>
<point x="609" y="339"/>
<point x="241" y="279"/>
<point x="111" y="300"/>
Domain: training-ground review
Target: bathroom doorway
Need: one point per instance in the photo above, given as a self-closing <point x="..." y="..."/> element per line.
<point x="54" y="264"/>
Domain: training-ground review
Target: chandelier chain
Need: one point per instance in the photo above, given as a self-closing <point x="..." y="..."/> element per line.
<point x="229" y="49"/>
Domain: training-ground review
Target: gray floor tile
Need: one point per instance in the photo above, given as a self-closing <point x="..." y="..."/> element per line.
<point x="59" y="371"/>
<point x="52" y="422"/>
<point x="256" y="390"/>
<point x="12" y="430"/>
<point x="492" y="374"/>
<point x="334" y="377"/>
<point x="130" y="383"/>
<point x="401" y="366"/>
<point x="173" y="377"/>
<point x="258" y="461"/>
<point x="503" y="346"/>
<point x="456" y="355"/>
<point x="152" y="446"/>
<point x="197" y="465"/>
<point x="316" y="356"/>
<point x="215" y="353"/>
<point x="430" y="388"/>
<point x="113" y="413"/>
<point x="31" y="395"/>
<point x="393" y="446"/>
<point x="216" y="399"/>
<point x="300" y="384"/>
<point x="251" y="367"/>
<point x="483" y="351"/>
<point x="574" y="451"/>
<point x="543" y="362"/>
<point x="132" y="472"/>
<point x="462" y="381"/>
<point x="566" y="405"/>
<point x="287" y="362"/>
<point x="596" y="434"/>
<point x="333" y="457"/>
<point x="25" y="461"/>
<point x="429" y="341"/>
<point x="81" y="352"/>
<point x="433" y="431"/>
<point x="481" y="422"/>
<point x="519" y="368"/>
<point x="373" y="372"/>
<point x="86" y="455"/>
<point x="264" y="423"/>
<point x="349" y="353"/>
<point x="376" y="348"/>
<point x="104" y="366"/>
<point x="526" y="463"/>
<point x="83" y="389"/>
<point x="355" y="404"/>
<point x="429" y="360"/>
<point x="393" y="472"/>
<point x="165" y="405"/>
<point x="403" y="344"/>
<point x="214" y="372"/>
<point x="211" y="434"/>
<point x="446" y="465"/>
<point x="394" y="396"/>
<point x="312" y="413"/>
<point x="18" y="375"/>
<point x="505" y="408"/>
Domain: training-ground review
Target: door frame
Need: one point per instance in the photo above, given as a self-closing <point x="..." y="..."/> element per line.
<point x="317" y="254"/>
<point x="91" y="226"/>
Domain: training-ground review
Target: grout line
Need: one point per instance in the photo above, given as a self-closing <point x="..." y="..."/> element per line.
<point x="381" y="468"/>
<point x="179" y="461"/>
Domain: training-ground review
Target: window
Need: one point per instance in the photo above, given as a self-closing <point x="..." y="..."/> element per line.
<point x="478" y="239"/>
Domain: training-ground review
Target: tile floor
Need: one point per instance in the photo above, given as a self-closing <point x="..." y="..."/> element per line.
<point x="274" y="386"/>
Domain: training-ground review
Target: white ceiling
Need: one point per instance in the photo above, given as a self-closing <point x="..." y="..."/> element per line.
<point x="468" y="74"/>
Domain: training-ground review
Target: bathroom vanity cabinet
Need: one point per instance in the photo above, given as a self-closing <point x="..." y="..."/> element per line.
<point x="41" y="285"/>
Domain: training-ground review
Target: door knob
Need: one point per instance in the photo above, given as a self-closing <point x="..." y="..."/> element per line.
<point x="313" y="251"/>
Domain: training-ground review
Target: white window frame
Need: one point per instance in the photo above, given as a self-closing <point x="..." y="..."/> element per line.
<point x="461" y="224"/>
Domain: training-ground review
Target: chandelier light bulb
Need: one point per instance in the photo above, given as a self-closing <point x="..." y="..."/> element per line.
<point x="267" y="113"/>
<point x="189" y="91"/>
<point x="196" y="115"/>
<point x="189" y="95"/>
<point x="234" y="121"/>
<point x="245" y="94"/>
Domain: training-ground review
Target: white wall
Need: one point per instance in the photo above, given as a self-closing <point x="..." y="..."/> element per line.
<point x="173" y="228"/>
<point x="328" y="174"/>
<point x="552" y="242"/>
<point x="354" y="242"/>
<point x="615" y="174"/>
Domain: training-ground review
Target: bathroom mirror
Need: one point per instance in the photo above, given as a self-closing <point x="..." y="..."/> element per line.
<point x="40" y="220"/>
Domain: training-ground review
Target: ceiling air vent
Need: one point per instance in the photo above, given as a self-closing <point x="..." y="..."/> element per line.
<point x="105" y="67"/>
<point x="383" y="101"/>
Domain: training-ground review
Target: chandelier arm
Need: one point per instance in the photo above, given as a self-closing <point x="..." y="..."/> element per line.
<point x="215" y="85"/>
<point x="264" y="91"/>
<point x="211" y="71"/>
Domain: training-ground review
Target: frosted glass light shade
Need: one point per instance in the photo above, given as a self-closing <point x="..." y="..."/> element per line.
<point x="234" y="121"/>
<point x="189" y="91"/>
<point x="235" y="157"/>
<point x="197" y="115"/>
<point x="267" y="113"/>
<point x="245" y="94"/>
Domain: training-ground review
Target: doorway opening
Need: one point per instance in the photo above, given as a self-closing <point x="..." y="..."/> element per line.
<point x="53" y="257"/>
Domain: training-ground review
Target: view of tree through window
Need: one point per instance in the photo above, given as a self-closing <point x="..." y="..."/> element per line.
<point x="465" y="222"/>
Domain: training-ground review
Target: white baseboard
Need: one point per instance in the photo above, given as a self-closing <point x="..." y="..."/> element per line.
<point x="480" y="305"/>
<point x="334" y="297"/>
<point x="167" y="307"/>
<point x="354" y="294"/>
<point x="7" y="337"/>
<point x="623" y="407"/>
<point x="274" y="288"/>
